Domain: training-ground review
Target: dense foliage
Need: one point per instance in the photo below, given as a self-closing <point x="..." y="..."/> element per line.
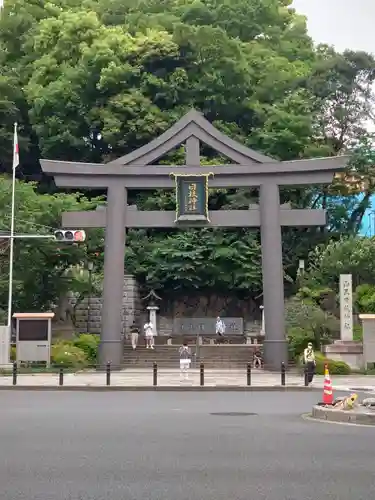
<point x="335" y="367"/>
<point x="91" y="81"/>
<point x="352" y="255"/>
<point x="43" y="270"/>
<point x="79" y="352"/>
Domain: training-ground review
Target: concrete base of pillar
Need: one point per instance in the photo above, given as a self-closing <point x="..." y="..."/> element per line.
<point x="111" y="351"/>
<point x="348" y="351"/>
<point x="275" y="353"/>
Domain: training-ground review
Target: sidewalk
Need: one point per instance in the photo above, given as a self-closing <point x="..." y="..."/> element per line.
<point x="171" y="378"/>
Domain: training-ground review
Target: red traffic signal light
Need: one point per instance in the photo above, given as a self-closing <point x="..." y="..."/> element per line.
<point x="70" y="235"/>
<point x="79" y="235"/>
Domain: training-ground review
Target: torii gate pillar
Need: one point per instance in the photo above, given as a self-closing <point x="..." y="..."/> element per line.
<point x="111" y="349"/>
<point x="275" y="343"/>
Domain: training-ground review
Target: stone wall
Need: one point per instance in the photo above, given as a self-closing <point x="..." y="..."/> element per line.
<point x="208" y="306"/>
<point x="88" y="312"/>
<point x="187" y="306"/>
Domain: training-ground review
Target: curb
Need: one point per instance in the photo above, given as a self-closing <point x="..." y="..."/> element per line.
<point x="160" y="388"/>
<point x="354" y="417"/>
<point x="307" y="417"/>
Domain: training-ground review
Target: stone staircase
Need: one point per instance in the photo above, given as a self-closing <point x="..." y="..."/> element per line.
<point x="213" y="356"/>
<point x="227" y="355"/>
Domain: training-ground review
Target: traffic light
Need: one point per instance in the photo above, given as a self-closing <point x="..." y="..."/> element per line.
<point x="70" y="235"/>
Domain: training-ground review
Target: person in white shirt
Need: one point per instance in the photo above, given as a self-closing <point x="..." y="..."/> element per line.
<point x="149" y="335"/>
<point x="185" y="360"/>
<point x="220" y="328"/>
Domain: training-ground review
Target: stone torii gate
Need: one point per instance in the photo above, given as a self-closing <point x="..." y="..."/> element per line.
<point x="248" y="169"/>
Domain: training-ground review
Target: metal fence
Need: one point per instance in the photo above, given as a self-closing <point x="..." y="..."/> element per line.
<point x="148" y="377"/>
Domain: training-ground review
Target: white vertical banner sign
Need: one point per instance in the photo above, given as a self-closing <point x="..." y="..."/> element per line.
<point x="346" y="307"/>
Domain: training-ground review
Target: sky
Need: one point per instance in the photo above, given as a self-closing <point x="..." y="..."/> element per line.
<point x="346" y="24"/>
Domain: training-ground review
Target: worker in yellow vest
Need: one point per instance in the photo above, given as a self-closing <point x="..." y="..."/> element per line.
<point x="309" y="361"/>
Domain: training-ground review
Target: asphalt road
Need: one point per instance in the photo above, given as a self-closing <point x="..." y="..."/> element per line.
<point x="169" y="446"/>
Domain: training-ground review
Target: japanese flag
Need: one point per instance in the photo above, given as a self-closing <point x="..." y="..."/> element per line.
<point x="16" y="156"/>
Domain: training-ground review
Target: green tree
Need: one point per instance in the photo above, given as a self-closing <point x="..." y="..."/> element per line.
<point x="353" y="255"/>
<point x="91" y="81"/>
<point x="189" y="260"/>
<point x="41" y="265"/>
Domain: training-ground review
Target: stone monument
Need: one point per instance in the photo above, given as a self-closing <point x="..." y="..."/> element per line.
<point x="346" y="308"/>
<point x="346" y="349"/>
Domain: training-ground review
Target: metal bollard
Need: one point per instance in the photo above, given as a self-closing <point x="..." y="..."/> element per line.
<point x="108" y="373"/>
<point x="155" y="375"/>
<point x="248" y="374"/>
<point x="201" y="372"/>
<point x="283" y="372"/>
<point x="306" y="373"/>
<point x="61" y="376"/>
<point x="14" y="373"/>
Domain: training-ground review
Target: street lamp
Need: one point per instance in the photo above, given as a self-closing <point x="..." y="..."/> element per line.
<point x="90" y="267"/>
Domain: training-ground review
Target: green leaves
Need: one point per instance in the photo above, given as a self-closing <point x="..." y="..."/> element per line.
<point x="365" y="299"/>
<point x="128" y="71"/>
<point x="352" y="255"/>
<point x="92" y="81"/>
<point x="202" y="258"/>
<point x="41" y="265"/>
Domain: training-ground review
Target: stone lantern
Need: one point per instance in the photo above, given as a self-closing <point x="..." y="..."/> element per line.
<point x="152" y="298"/>
<point x="262" y="328"/>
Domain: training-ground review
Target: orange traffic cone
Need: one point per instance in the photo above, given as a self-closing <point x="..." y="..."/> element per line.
<point x="327" y="390"/>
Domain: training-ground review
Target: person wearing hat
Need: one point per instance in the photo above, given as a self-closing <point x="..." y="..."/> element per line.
<point x="309" y="361"/>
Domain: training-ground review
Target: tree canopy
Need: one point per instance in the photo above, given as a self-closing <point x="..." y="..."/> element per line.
<point x="41" y="266"/>
<point x="91" y="81"/>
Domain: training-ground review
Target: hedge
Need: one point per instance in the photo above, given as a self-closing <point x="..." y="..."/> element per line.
<point x="334" y="367"/>
<point x="89" y="344"/>
<point x="68" y="356"/>
<point x="79" y="352"/>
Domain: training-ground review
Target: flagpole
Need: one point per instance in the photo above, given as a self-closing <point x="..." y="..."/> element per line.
<point x="11" y="253"/>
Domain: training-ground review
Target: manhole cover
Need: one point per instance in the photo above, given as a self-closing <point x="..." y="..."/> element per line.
<point x="232" y="414"/>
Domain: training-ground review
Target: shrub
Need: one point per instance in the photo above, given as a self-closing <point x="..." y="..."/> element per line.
<point x="298" y="338"/>
<point x="364" y="298"/>
<point x="307" y="316"/>
<point x="334" y="367"/>
<point x="68" y="356"/>
<point x="89" y="344"/>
